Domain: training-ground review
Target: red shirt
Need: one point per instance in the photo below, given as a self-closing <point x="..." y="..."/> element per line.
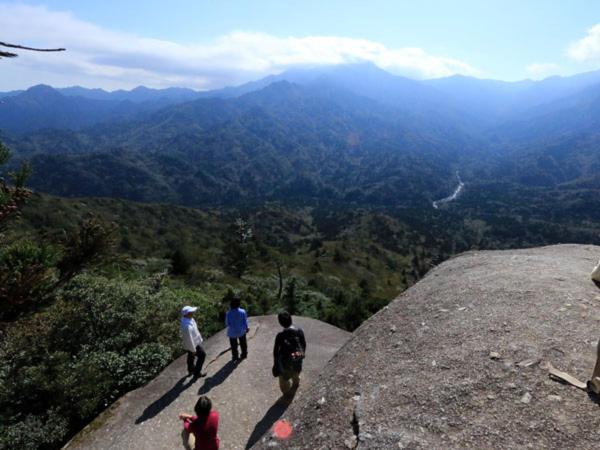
<point x="205" y="431"/>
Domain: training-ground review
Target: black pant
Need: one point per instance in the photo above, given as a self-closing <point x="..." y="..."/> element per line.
<point x="234" y="346"/>
<point x="201" y="355"/>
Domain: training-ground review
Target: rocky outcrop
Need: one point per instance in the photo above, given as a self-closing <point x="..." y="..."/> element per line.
<point x="458" y="361"/>
<point x="245" y="394"/>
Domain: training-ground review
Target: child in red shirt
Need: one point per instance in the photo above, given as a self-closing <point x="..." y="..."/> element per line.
<point x="203" y="425"/>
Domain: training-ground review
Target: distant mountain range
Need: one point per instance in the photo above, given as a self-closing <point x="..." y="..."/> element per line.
<point x="350" y="134"/>
<point x="488" y="100"/>
<point x="73" y="108"/>
<point x="139" y="94"/>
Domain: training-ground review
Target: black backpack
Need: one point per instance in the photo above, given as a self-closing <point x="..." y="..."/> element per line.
<point x="291" y="352"/>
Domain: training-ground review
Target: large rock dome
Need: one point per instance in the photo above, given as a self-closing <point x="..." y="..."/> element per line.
<point x="458" y="361"/>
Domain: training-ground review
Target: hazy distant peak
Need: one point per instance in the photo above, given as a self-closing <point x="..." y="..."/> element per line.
<point x="279" y="89"/>
<point x="41" y="88"/>
<point x="41" y="93"/>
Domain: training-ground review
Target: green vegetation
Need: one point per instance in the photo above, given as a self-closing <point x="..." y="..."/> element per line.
<point x="114" y="326"/>
<point x="92" y="290"/>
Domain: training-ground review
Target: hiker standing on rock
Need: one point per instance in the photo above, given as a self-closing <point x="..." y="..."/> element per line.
<point x="236" y="321"/>
<point x="192" y="342"/>
<point x="288" y="353"/>
<point x="203" y="426"/>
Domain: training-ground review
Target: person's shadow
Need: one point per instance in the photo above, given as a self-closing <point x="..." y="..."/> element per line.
<point x="270" y="417"/>
<point x="595" y="398"/>
<point x="220" y="376"/>
<point x="158" y="405"/>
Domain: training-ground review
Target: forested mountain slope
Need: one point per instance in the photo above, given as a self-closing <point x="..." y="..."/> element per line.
<point x="283" y="142"/>
<point x="350" y="134"/>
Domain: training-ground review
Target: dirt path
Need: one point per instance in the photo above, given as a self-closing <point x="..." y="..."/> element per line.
<point x="245" y="394"/>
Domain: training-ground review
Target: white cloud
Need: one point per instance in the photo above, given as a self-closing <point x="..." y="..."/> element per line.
<point x="587" y="48"/>
<point x="106" y="58"/>
<point x="537" y="71"/>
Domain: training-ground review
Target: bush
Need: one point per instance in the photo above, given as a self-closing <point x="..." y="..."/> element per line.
<point x="143" y="363"/>
<point x="101" y="338"/>
<point x="35" y="432"/>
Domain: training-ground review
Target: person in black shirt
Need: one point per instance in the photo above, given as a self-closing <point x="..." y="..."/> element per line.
<point x="288" y="353"/>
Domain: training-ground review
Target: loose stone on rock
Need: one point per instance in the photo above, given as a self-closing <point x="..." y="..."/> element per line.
<point x="528" y="362"/>
<point x="350" y="442"/>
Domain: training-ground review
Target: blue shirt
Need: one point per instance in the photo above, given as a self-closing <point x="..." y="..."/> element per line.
<point x="236" y="322"/>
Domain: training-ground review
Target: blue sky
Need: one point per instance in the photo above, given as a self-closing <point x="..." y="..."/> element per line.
<point x="208" y="44"/>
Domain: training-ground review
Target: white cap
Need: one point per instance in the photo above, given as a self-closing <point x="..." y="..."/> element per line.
<point x="188" y="309"/>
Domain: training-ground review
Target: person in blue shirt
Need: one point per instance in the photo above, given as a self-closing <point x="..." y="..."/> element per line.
<point x="236" y="322"/>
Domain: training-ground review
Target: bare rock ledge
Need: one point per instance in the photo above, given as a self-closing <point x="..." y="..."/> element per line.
<point x="244" y="394"/>
<point x="457" y="361"/>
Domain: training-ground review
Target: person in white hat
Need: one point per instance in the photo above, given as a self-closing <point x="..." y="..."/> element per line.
<point x="192" y="342"/>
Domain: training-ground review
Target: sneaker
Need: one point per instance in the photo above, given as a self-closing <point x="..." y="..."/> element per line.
<point x="244" y="356"/>
<point x="594" y="385"/>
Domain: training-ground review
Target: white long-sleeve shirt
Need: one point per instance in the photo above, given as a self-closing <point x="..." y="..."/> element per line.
<point x="190" y="334"/>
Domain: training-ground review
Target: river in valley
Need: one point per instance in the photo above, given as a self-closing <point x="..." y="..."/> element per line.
<point x="455" y="194"/>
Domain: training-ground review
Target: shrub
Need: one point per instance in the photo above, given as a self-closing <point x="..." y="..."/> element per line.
<point x="99" y="339"/>
<point x="143" y="363"/>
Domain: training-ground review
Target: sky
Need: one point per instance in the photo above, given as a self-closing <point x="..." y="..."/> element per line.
<point x="211" y="44"/>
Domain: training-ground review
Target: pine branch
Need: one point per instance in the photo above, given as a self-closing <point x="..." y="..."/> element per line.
<point x="4" y="44"/>
<point x="7" y="55"/>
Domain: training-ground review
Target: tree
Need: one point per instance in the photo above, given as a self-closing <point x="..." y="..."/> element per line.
<point x="279" y="265"/>
<point x="290" y="300"/>
<point x="181" y="261"/>
<point x="354" y="313"/>
<point x="239" y="247"/>
<point x="30" y="271"/>
<point x="12" y="195"/>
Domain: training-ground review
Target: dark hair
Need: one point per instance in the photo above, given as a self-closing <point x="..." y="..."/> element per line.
<point x="235" y="302"/>
<point x="203" y="407"/>
<point x="285" y="319"/>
